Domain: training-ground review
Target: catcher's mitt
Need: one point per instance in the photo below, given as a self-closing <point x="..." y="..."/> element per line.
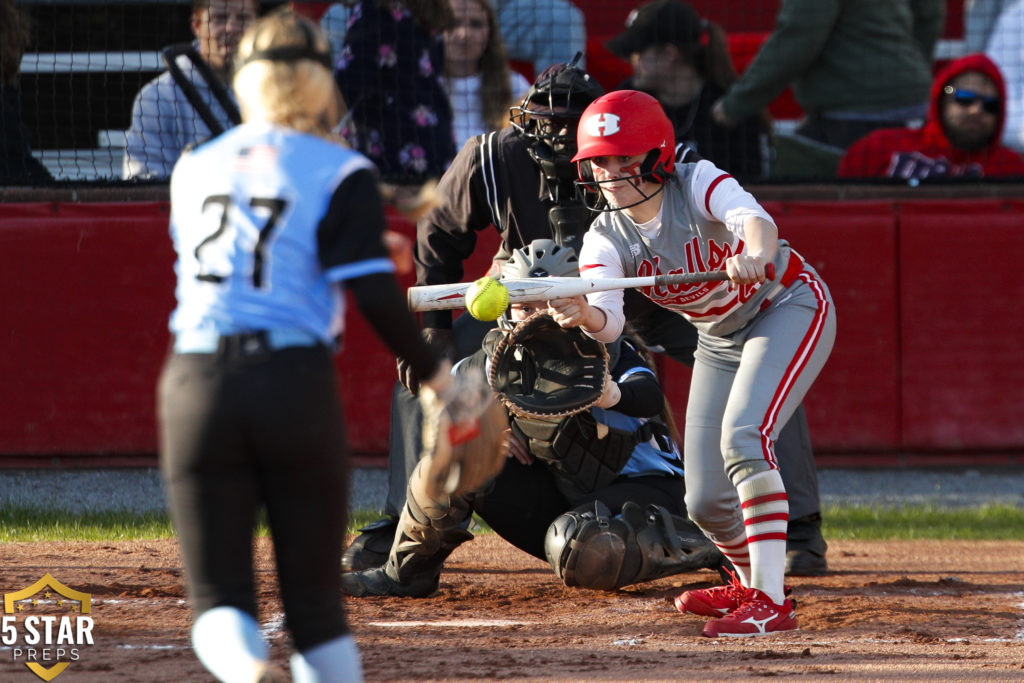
<point x="540" y="370"/>
<point x="464" y="443"/>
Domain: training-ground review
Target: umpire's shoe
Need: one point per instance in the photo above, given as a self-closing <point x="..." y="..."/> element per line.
<point x="371" y="547"/>
<point x="806" y="547"/>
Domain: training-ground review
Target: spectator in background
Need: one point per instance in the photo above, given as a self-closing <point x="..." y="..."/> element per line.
<point x="17" y="165"/>
<point x="164" y="122"/>
<point x="540" y="32"/>
<point x="390" y="73"/>
<point x="960" y="139"/>
<point x="980" y="18"/>
<point x="1006" y="48"/>
<point x="481" y="86"/>
<point x="854" y="67"/>
<point x="683" y="61"/>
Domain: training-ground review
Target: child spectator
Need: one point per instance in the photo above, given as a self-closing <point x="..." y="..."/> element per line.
<point x="540" y="32"/>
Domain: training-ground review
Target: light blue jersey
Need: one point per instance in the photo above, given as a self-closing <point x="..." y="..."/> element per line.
<point x="254" y="249"/>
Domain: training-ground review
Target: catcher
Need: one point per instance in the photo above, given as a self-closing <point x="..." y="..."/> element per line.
<point x="593" y="482"/>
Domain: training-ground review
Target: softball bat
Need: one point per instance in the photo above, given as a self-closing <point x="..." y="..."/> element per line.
<point x="445" y="297"/>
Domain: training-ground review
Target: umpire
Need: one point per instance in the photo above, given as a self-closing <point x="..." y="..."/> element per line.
<point x="521" y="181"/>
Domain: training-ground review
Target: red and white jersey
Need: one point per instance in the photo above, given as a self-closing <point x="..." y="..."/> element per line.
<point x="700" y="225"/>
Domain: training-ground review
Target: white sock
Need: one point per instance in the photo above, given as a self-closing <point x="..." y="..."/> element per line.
<point x="766" y="516"/>
<point x="229" y="644"/>
<point x="336" y="661"/>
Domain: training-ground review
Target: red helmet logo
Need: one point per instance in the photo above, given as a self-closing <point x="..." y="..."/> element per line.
<point x="624" y="123"/>
<point x="601" y="125"/>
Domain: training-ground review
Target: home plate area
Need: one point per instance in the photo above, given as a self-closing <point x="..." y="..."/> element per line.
<point x="930" y="610"/>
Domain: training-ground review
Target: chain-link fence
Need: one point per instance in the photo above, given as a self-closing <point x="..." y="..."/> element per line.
<point x="769" y="90"/>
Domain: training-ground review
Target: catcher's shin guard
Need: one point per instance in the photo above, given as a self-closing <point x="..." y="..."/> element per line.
<point x="593" y="549"/>
<point x="428" y="531"/>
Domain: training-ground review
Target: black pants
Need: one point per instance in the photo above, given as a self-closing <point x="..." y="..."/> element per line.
<point x="238" y="433"/>
<point x="523" y="500"/>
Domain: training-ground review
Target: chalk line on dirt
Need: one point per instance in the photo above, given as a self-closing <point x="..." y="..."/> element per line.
<point x="451" y="623"/>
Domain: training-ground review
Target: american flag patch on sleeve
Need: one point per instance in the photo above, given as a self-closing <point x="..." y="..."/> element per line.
<point x="256" y="158"/>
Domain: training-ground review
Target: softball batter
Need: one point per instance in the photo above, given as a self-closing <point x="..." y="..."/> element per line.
<point x="761" y="341"/>
<point x="268" y="220"/>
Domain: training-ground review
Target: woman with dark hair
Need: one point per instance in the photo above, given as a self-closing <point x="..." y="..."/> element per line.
<point x="480" y="84"/>
<point x="683" y="60"/>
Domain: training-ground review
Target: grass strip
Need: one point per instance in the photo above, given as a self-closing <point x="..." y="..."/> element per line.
<point x="988" y="522"/>
<point x="996" y="522"/>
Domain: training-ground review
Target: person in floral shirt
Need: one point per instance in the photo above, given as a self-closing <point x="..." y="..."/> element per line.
<point x="390" y="74"/>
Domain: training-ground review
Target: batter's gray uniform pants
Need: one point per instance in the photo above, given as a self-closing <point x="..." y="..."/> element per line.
<point x="744" y="389"/>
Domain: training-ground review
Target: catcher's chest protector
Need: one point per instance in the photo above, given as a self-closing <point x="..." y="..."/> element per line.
<point x="584" y="454"/>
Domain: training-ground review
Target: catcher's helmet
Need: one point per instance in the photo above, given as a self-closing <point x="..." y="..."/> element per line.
<point x="541" y="258"/>
<point x="625" y="123"/>
<point x="549" y="112"/>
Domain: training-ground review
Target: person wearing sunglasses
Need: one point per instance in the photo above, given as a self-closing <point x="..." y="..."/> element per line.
<point x="959" y="139"/>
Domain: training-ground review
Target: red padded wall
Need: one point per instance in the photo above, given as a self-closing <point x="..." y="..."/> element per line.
<point x="926" y="360"/>
<point x="87" y="294"/>
<point x="854" y="405"/>
<point x="962" y="330"/>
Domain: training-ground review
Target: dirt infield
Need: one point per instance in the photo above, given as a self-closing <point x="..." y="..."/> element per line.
<point x="916" y="610"/>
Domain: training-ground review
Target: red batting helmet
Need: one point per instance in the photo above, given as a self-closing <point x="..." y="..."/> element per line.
<point x="626" y="123"/>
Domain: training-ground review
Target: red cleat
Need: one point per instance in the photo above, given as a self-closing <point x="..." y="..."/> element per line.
<point x="756" y="616"/>
<point x="712" y="602"/>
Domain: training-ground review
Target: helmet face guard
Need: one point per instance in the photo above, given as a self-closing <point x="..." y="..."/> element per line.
<point x="624" y="123"/>
<point x="549" y="113"/>
<point x="650" y="170"/>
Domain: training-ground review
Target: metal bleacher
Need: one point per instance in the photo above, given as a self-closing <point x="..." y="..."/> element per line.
<point x="88" y="60"/>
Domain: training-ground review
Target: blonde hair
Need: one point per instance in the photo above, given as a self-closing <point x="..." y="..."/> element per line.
<point x="298" y="92"/>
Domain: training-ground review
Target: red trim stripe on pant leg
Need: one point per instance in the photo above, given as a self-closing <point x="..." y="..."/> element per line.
<point x="803" y="354"/>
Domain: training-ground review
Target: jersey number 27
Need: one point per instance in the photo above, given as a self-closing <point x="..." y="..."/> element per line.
<point x="276" y="208"/>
